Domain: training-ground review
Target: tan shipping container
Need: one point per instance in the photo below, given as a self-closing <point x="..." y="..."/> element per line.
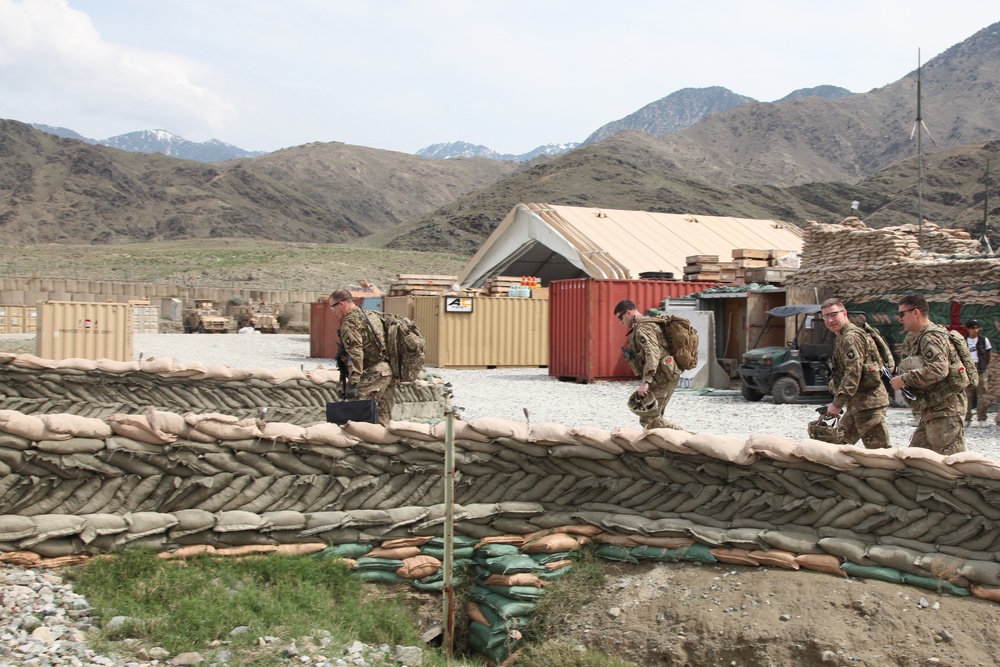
<point x="498" y="331"/>
<point x="68" y="330"/>
<point x="18" y="319"/>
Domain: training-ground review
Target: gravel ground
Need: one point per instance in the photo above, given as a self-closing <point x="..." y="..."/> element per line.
<point x="508" y="392"/>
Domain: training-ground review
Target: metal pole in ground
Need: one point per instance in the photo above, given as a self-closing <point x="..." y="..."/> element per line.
<point x="448" y="623"/>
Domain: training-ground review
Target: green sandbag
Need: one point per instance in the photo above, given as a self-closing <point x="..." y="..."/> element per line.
<point x="552" y="575"/>
<point x="933" y="584"/>
<point x="380" y="576"/>
<point x="511" y="565"/>
<point x="496" y="550"/>
<point x="515" y="592"/>
<point x="892" y="575"/>
<point x="545" y="559"/>
<point x="497" y="653"/>
<point x="349" y="550"/>
<point x="615" y="553"/>
<point x="459" y="541"/>
<point x="500" y="624"/>
<point x="485" y="636"/>
<point x="660" y="554"/>
<point x="430" y="586"/>
<point x="456" y="553"/>
<point x="389" y="564"/>
<point x="506" y="607"/>
<point x="699" y="553"/>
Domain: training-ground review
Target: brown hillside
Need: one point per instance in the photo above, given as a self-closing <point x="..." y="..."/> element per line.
<point x="55" y="190"/>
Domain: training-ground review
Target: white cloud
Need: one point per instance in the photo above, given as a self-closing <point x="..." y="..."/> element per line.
<point x="54" y="64"/>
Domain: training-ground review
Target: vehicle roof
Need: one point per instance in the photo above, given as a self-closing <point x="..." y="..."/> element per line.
<point x="797" y="309"/>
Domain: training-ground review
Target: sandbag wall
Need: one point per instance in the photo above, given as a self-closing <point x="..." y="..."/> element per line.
<point x="99" y="388"/>
<point x="861" y="264"/>
<point x="71" y="484"/>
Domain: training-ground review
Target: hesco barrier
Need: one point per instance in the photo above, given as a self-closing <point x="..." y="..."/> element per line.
<point x="103" y="387"/>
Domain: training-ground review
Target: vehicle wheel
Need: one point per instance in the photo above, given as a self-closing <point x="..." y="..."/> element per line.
<point x="785" y="390"/>
<point x="749" y="393"/>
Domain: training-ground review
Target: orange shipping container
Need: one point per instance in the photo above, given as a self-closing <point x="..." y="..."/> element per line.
<point x="74" y="329"/>
<point x="585" y="339"/>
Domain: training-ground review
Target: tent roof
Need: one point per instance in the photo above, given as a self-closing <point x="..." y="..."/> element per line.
<point x="560" y="242"/>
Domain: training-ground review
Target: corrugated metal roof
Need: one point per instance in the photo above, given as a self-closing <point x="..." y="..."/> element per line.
<point x="561" y="242"/>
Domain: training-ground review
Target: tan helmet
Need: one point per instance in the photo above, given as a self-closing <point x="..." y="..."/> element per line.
<point x="644" y="406"/>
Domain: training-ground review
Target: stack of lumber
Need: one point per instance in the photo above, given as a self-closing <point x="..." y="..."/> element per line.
<point x="423" y="285"/>
<point x="862" y="264"/>
<point x="709" y="268"/>
<point x="500" y="285"/>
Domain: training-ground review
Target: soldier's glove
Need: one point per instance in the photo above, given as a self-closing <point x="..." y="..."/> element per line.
<point x="351" y="391"/>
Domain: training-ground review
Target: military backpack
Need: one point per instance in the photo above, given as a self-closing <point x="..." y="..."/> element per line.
<point x="404" y="346"/>
<point x="682" y="340"/>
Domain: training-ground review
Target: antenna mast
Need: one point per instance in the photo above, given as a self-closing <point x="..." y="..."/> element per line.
<point x="986" y="211"/>
<point x="918" y="125"/>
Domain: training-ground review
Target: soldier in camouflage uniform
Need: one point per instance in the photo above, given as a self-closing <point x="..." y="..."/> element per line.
<point x="649" y="357"/>
<point x="362" y="334"/>
<point x="928" y="357"/>
<point x="856" y="383"/>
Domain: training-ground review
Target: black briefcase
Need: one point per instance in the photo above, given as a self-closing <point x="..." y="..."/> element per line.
<point x="342" y="412"/>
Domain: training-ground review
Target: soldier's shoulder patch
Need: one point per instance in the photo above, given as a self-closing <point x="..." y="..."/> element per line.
<point x="930" y="353"/>
<point x="851" y="354"/>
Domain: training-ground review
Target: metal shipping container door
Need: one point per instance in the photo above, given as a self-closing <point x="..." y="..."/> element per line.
<point x="322" y="334"/>
<point x="76" y="330"/>
<point x="585" y="339"/>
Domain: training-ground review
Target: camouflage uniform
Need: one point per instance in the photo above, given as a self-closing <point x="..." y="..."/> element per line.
<point x="928" y="360"/>
<point x="649" y="357"/>
<point x="367" y="365"/>
<point x="856" y="386"/>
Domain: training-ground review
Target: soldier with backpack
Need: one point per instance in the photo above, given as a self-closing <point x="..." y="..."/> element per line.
<point x="934" y="368"/>
<point x="362" y="333"/>
<point x="856" y="382"/>
<point x="651" y="357"/>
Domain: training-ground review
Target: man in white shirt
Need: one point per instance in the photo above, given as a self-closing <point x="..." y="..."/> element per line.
<point x="979" y="348"/>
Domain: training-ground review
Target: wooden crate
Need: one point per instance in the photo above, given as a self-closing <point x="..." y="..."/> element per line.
<point x="702" y="259"/>
<point x="769" y="274"/>
<point x="750" y="253"/>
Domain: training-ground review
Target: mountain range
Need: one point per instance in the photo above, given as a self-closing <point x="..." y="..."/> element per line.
<point x="159" y="141"/>
<point x="804" y="157"/>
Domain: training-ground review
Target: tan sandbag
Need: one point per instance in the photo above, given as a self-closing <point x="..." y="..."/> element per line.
<point x="184" y="553"/>
<point x="32" y="362"/>
<point x="283" y="375"/>
<point x="774" y="447"/>
<point x="825" y="454"/>
<point x="64" y="561"/>
<point x="617" y="540"/>
<point x="282" y="432"/>
<point x="136" y="427"/>
<point x="418" y="567"/>
<point x="247" y="550"/>
<point x="157" y="365"/>
<point x="663" y="542"/>
<point x="722" y="447"/>
<point x="494" y="427"/>
<point x="596" y="437"/>
<point x="474" y="613"/>
<point x="170" y="422"/>
<point x="463" y="431"/>
<point x="549" y="544"/>
<point x="670" y="440"/>
<point x="303" y="549"/>
<point x="15" y="527"/>
<point x="223" y="427"/>
<point x="633" y="440"/>
<point x="516" y="540"/>
<point x="821" y="563"/>
<point x="322" y="376"/>
<point x="75" y="425"/>
<point x="75" y="364"/>
<point x="974" y="464"/>
<point x="329" y="434"/>
<point x="115" y="367"/>
<point x="412" y="430"/>
<point x="416" y="541"/>
<point x="585" y="529"/>
<point x="191" y="369"/>
<point x="518" y="579"/>
<point x="398" y="553"/>
<point x="236" y="520"/>
<point x="265" y="374"/>
<point x="734" y="556"/>
<point x="71" y="446"/>
<point x="929" y="460"/>
<point x="550" y="434"/>
<point x="372" y="433"/>
<point x="775" y="558"/>
<point x="557" y="565"/>
<point x="27" y="426"/>
<point x="885" y="459"/>
<point x="20" y="558"/>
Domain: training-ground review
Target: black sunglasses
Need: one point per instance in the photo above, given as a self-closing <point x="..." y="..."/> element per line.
<point x="901" y="314"/>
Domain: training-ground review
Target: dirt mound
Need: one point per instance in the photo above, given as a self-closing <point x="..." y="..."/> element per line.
<point x="691" y="614"/>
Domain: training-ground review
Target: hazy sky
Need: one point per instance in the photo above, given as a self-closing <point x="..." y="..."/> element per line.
<point x="404" y="74"/>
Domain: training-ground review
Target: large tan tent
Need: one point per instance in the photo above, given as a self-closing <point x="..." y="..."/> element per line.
<point x="563" y="242"/>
